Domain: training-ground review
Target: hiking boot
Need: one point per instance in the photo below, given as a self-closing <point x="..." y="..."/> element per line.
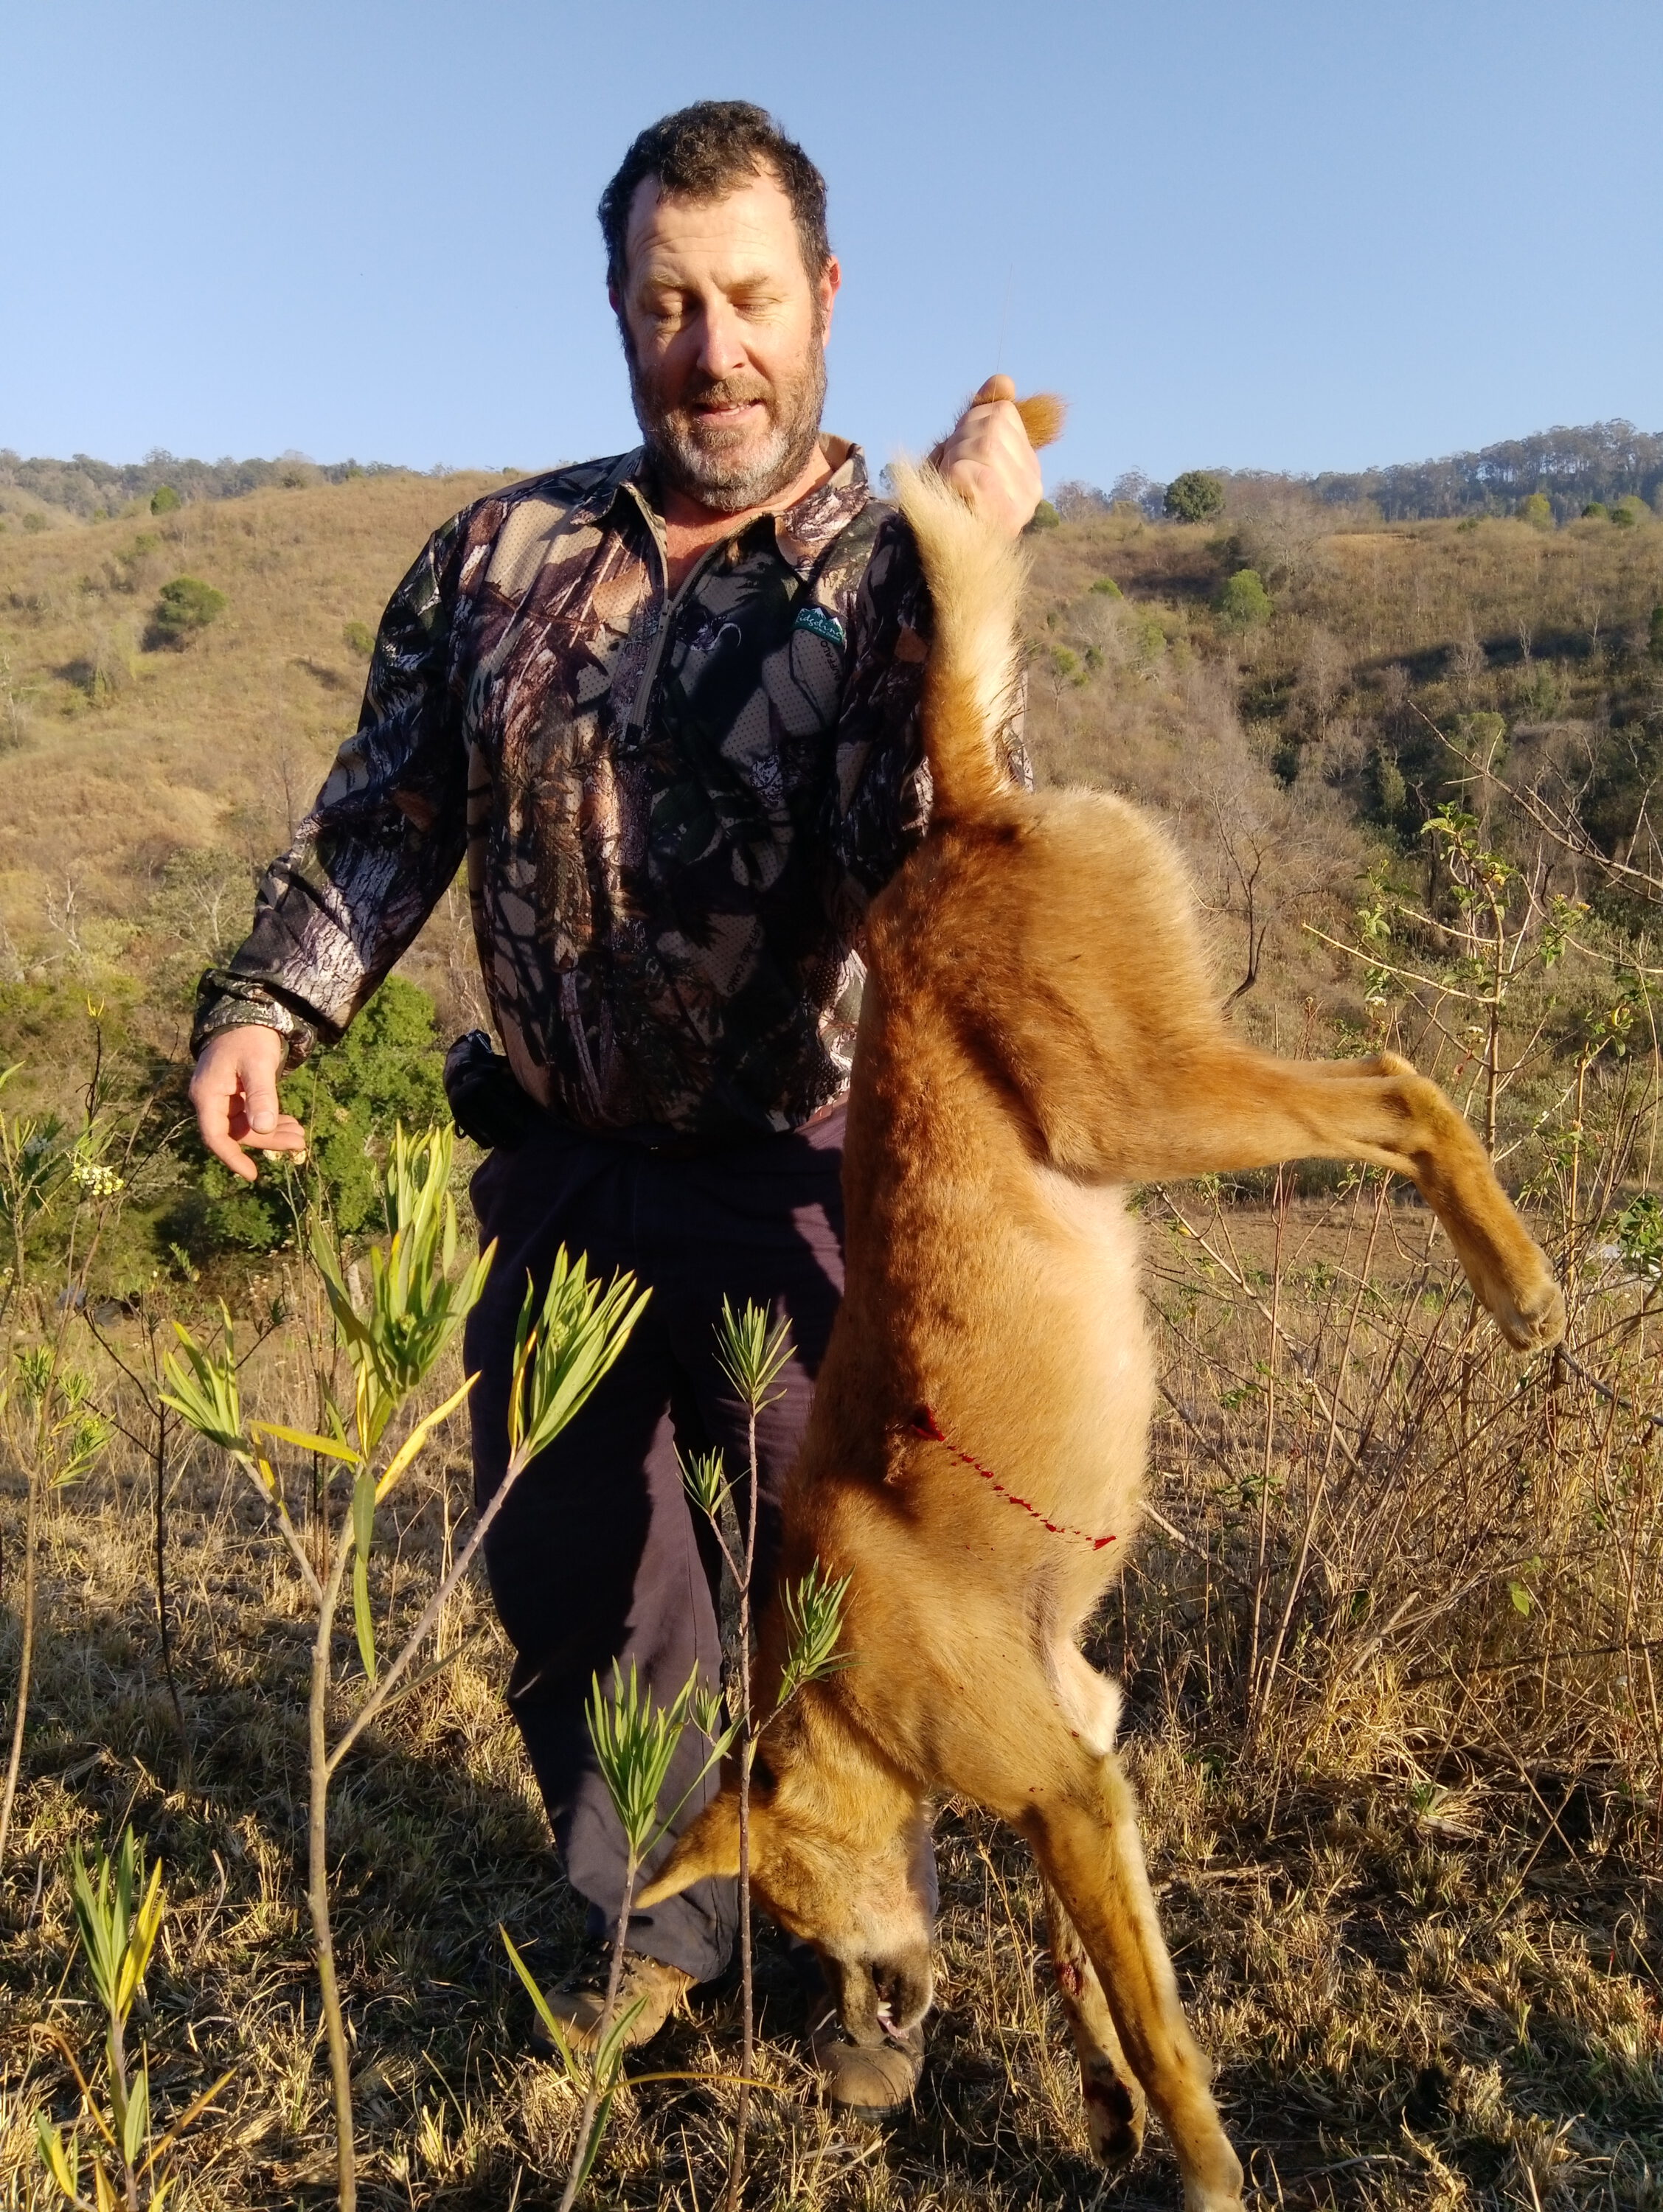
<point x="866" y="2080"/>
<point x="656" y="1990"/>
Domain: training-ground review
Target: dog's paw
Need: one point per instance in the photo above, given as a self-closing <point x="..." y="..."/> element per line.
<point x="1114" y="2117"/>
<point x="1531" y="1320"/>
<point x="1219" y="2190"/>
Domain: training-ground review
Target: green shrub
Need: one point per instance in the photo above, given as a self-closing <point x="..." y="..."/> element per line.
<point x="1387" y="793"/>
<point x="164" y="499"/>
<point x="1045" y="516"/>
<point x="1106" y="586"/>
<point x="1596" y="511"/>
<point x="1628" y="511"/>
<point x="35" y="520"/>
<point x="1654" y="640"/>
<point x="1537" y="510"/>
<point x="387" y="1070"/>
<point x="1195" y="496"/>
<point x="185" y="606"/>
<point x="1244" y="603"/>
<point x="358" y="637"/>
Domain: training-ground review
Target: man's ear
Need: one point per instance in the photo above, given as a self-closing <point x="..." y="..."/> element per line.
<point x="831" y="284"/>
<point x="710" y="1846"/>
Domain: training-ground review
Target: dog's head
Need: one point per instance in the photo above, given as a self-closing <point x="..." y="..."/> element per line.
<point x="859" y="1890"/>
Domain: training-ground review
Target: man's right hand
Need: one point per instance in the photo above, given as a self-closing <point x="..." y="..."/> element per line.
<point x="235" y="1091"/>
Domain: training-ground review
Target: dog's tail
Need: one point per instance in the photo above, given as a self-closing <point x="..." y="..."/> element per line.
<point x="975" y="578"/>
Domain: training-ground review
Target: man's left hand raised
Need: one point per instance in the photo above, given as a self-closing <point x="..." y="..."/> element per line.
<point x="989" y="461"/>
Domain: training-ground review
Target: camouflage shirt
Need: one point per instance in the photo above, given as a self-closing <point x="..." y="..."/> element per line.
<point x="674" y="807"/>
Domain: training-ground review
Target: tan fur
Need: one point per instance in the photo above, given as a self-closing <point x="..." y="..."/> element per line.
<point x="1043" y="417"/>
<point x="1039" y="1031"/>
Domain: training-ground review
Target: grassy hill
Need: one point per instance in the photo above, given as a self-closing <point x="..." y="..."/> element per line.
<point x="140" y="789"/>
<point x="142" y="786"/>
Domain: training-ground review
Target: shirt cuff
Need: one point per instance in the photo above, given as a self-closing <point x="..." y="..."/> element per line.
<point x="232" y="1002"/>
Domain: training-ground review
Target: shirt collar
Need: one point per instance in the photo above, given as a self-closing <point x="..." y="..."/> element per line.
<point x="802" y="532"/>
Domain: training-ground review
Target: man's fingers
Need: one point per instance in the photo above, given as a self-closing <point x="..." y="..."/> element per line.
<point x="259" y="1092"/>
<point x="225" y="1149"/>
<point x="997" y="387"/>
<point x="286" y="1135"/>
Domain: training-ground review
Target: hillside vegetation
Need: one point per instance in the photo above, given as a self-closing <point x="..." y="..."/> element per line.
<point x="1390" y="1640"/>
<point x="138" y="769"/>
<point x="155" y="754"/>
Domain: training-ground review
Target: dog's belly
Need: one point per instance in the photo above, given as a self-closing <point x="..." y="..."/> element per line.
<point x="1090" y="1262"/>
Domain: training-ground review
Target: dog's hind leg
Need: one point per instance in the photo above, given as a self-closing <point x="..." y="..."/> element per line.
<point x="1081" y="1822"/>
<point x="1228" y="1108"/>
<point x="1115" y="2104"/>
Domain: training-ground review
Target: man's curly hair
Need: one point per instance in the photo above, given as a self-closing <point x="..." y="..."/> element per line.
<point x="706" y="151"/>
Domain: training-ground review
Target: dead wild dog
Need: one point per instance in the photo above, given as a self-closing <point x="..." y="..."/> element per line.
<point x="1040" y="1031"/>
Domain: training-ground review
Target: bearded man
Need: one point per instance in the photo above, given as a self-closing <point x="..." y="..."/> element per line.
<point x="665" y="706"/>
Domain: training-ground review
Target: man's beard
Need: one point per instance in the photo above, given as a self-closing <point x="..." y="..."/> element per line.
<point x="723" y="468"/>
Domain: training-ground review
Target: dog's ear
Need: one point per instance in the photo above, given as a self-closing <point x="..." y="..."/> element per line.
<point x="710" y="1846"/>
<point x="1043" y="417"/>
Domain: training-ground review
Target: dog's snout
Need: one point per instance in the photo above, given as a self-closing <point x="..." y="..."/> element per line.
<point x="904" y="1986"/>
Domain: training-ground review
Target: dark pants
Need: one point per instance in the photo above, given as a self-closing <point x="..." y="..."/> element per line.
<point x="598" y="1554"/>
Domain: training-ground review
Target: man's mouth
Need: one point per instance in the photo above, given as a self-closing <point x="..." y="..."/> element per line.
<point x="719" y="406"/>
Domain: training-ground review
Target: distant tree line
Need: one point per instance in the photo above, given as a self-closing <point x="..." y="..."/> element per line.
<point x="1599" y="463"/>
<point x="83" y="486"/>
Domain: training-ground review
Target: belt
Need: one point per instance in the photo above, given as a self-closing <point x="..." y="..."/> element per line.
<point x="681" y="1144"/>
<point x="490" y="1106"/>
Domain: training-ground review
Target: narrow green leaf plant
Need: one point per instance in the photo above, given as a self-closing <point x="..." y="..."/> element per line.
<point x="420" y="1290"/>
<point x="117" y="1916"/>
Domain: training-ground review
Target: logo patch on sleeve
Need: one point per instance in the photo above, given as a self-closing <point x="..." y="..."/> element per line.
<point x="822" y="624"/>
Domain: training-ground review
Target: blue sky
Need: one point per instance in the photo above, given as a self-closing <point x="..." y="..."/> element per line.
<point x="1295" y="236"/>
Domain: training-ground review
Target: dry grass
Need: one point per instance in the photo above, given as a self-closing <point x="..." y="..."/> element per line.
<point x="1411" y="1883"/>
<point x="115" y="760"/>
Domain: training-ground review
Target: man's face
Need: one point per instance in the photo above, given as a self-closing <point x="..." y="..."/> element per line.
<point x="726" y="338"/>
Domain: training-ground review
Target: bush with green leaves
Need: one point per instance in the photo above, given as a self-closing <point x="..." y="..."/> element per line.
<point x="1536" y="509"/>
<point x="358" y="637"/>
<point x="1196" y="496"/>
<point x="182" y="608"/>
<point x="1244" y="603"/>
<point x="164" y="499"/>
<point x="388" y="1068"/>
<point x="1387" y="793"/>
<point x="1045" y="517"/>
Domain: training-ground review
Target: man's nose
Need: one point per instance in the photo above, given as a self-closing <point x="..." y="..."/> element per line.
<point x="722" y="343"/>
